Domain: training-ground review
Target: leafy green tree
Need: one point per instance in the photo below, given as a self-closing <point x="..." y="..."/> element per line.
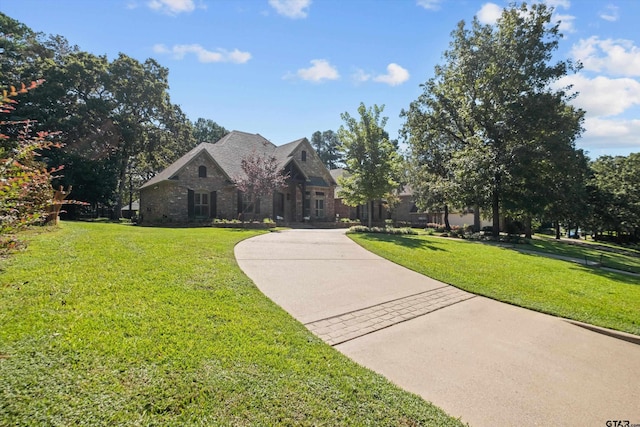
<point x="116" y="116"/>
<point x="371" y="159"/>
<point x="494" y="102"/>
<point x="615" y="195"/>
<point x="327" y="145"/>
<point x="206" y="130"/>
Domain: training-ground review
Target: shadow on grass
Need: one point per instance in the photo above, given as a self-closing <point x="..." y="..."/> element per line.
<point x="621" y="276"/>
<point x="406" y="241"/>
<point x="611" y="275"/>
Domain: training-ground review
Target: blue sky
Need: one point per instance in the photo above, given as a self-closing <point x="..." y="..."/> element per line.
<point x="286" y="68"/>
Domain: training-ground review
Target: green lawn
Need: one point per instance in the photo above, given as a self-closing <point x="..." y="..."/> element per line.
<point x="608" y="255"/>
<point x="561" y="288"/>
<point x="107" y="324"/>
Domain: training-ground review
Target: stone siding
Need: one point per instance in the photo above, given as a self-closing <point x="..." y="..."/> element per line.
<point x="167" y="201"/>
<point x="312" y="165"/>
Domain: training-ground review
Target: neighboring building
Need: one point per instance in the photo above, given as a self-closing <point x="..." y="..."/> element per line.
<point x="133" y="212"/>
<point x="200" y="185"/>
<point x="404" y="212"/>
<point x="379" y="207"/>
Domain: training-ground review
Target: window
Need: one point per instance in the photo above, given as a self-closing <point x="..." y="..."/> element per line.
<point x="304" y="156"/>
<point x="306" y="206"/>
<point x="319" y="208"/>
<point x="245" y="205"/>
<point x="202" y="172"/>
<point x="201" y="205"/>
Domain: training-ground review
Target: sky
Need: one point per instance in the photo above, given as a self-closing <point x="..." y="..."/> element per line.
<point x="287" y="68"/>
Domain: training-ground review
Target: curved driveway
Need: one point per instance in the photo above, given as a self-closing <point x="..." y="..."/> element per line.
<point x="484" y="361"/>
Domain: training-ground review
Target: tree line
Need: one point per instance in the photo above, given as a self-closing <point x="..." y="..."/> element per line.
<point x="491" y="129"/>
<point x="115" y="117"/>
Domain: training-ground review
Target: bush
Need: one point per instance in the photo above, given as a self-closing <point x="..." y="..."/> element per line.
<point x="381" y="230"/>
<point x="25" y="183"/>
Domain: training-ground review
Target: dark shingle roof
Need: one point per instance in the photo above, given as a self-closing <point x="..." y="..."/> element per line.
<point x="228" y="151"/>
<point x="175" y="167"/>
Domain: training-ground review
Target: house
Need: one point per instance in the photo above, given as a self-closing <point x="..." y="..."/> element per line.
<point x="200" y="185"/>
<point x="403" y="212"/>
<point x="130" y="213"/>
<point x="380" y="211"/>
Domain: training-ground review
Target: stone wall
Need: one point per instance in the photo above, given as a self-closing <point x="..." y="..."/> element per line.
<point x="167" y="201"/>
<point x="312" y="165"/>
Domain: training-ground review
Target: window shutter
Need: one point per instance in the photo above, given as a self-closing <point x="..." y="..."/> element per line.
<point x="213" y="205"/>
<point x="190" y="204"/>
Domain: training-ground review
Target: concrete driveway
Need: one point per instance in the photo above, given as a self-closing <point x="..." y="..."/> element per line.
<point x="484" y="361"/>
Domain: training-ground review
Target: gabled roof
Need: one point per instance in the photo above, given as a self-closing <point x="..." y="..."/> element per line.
<point x="235" y="146"/>
<point x="175" y="167"/>
<point x="227" y="153"/>
<point x="337" y="173"/>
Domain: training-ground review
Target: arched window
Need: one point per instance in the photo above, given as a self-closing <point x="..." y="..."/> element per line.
<point x="202" y="172"/>
<point x="304" y="156"/>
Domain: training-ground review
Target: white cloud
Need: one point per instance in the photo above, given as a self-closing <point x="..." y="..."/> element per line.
<point x="558" y="3"/>
<point x="395" y="75"/>
<point x="429" y="4"/>
<point x="610" y="14"/>
<point x="320" y="70"/>
<point x="605" y="101"/>
<point x="172" y="7"/>
<point x="616" y="57"/>
<point x="489" y="13"/>
<point x="566" y="22"/>
<point x="220" y="55"/>
<point x="294" y="9"/>
<point x="611" y="134"/>
<point x="603" y="96"/>
<point x="361" y="76"/>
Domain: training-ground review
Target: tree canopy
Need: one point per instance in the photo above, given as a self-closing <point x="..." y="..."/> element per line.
<point x="371" y="159"/>
<point x="206" y="130"/>
<point x="492" y="117"/>
<point x="327" y="145"/>
<point x="115" y="116"/>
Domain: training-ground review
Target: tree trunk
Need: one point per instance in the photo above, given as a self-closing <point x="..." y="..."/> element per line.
<point x="122" y="182"/>
<point x="557" y="224"/>
<point x="495" y="211"/>
<point x="527" y="227"/>
<point x="447" y="226"/>
<point x="476" y="219"/>
<point x="370" y="213"/>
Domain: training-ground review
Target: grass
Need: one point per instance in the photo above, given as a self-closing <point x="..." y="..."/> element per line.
<point x="612" y="256"/>
<point x="551" y="286"/>
<point x="107" y="324"/>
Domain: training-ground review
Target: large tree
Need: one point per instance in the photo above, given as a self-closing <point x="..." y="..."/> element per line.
<point x="495" y="102"/>
<point x="615" y="195"/>
<point x="116" y="117"/>
<point x="327" y="145"/>
<point x="206" y="130"/>
<point x="371" y="159"/>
